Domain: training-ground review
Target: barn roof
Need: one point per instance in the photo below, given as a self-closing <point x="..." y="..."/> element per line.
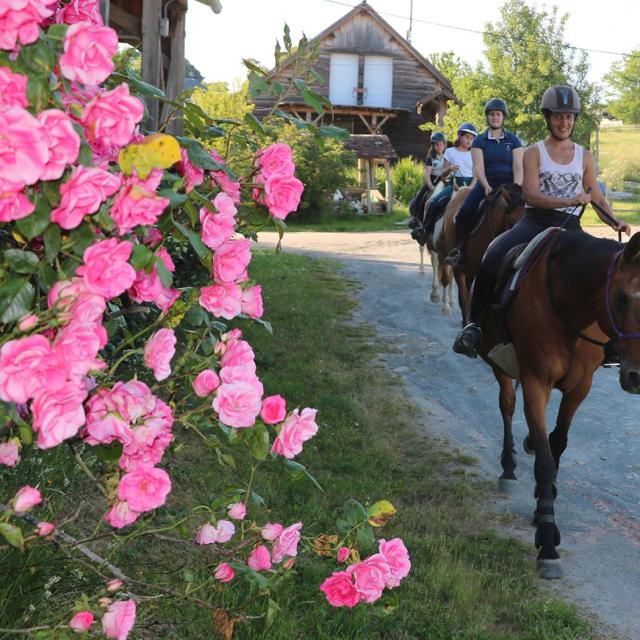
<point x="371" y="146"/>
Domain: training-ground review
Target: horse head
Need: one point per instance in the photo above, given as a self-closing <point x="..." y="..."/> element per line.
<point x="623" y="310"/>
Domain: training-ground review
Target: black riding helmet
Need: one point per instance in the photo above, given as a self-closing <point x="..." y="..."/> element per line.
<point x="496" y="104"/>
<point x="561" y="98"/>
<point x="438" y="136"/>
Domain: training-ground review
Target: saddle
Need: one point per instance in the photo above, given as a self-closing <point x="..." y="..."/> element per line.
<point x="514" y="270"/>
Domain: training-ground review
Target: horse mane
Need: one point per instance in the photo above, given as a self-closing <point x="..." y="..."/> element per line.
<point x="576" y="254"/>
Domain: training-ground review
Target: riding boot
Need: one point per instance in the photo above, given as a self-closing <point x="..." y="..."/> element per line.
<point x="468" y="341"/>
<point x="456" y="255"/>
<point x="611" y="358"/>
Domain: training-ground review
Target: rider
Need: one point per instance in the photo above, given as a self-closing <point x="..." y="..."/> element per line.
<point x="559" y="180"/>
<point x="434" y="166"/>
<point x="458" y="162"/>
<point x="497" y="159"/>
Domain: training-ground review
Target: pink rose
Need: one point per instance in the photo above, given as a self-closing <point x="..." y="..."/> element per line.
<point x="397" y="557"/>
<point x="114" y="585"/>
<point x="9" y="453"/>
<point x="158" y="351"/>
<point x="137" y="202"/>
<point x="121" y="515"/>
<point x="58" y="414"/>
<point x="193" y="176"/>
<point x="81" y="621"/>
<point x="144" y="489"/>
<point x="46" y="528"/>
<point x="14" y="205"/>
<point x="63" y="143"/>
<point x="80" y="11"/>
<point x="224" y="572"/>
<point x="26" y="366"/>
<point x="340" y="590"/>
<point x="77" y="345"/>
<point x="24" y="152"/>
<point x="222" y="299"/>
<point x="282" y="196"/>
<point x="259" y="559"/>
<point x="235" y="353"/>
<point x="26" y="323"/>
<point x="231" y="260"/>
<point x="216" y="228"/>
<point x="276" y="161"/>
<point x="295" y="430"/>
<point x="20" y="21"/>
<point x="110" y="117"/>
<point x="241" y="373"/>
<point x="287" y="543"/>
<point x="371" y="576"/>
<point x="13" y="89"/>
<point x="26" y="498"/>
<point x="251" y="302"/>
<point x="225" y="206"/>
<point x="82" y="194"/>
<point x="343" y="554"/>
<point x="237" y="510"/>
<point x="105" y="270"/>
<point x="271" y="531"/>
<point x="274" y="409"/>
<point x="149" y="288"/>
<point x="238" y="404"/>
<point x="223" y="532"/>
<point x="88" y="52"/>
<point x="73" y="301"/>
<point x="119" y="619"/>
<point x="206" y="382"/>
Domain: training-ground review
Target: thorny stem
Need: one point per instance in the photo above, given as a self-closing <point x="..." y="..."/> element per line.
<point x="86" y="470"/>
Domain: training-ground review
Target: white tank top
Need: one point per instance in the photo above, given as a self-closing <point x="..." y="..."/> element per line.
<point x="561" y="180"/>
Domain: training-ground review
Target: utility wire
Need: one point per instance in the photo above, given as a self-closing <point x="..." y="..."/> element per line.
<point x="483" y="33"/>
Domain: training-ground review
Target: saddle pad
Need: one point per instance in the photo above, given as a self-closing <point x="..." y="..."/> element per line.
<point x="437" y="231"/>
<point x="537" y="241"/>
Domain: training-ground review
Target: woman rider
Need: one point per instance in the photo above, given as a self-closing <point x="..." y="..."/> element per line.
<point x="458" y="162"/>
<point x="559" y="179"/>
<point x="497" y="159"/>
<point x="434" y="167"/>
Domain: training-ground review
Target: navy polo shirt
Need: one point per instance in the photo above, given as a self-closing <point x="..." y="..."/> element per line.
<point x="498" y="157"/>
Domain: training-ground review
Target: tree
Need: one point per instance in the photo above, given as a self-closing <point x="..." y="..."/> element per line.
<point x="624" y="82"/>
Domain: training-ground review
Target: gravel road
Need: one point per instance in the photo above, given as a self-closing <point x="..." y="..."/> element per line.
<point x="598" y="508"/>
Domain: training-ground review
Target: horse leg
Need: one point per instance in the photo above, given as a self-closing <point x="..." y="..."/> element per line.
<point x="508" y="458"/>
<point x="463" y="294"/>
<point x="446" y="278"/>
<point x="547" y="538"/>
<point x="421" y="258"/>
<point x="435" y="281"/>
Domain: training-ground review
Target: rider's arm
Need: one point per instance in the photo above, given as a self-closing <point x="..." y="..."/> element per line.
<point x="477" y="156"/>
<point x="590" y="181"/>
<point x="427" y="177"/>
<point x="531" y="186"/>
<point x="516" y="163"/>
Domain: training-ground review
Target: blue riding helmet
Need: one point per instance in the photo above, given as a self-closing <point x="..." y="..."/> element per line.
<point x="496" y="104"/>
<point x="438" y="136"/>
<point x="467" y="127"/>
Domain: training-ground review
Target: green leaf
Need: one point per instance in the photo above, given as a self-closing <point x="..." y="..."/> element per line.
<point x="86" y="155"/>
<point x="287" y="38"/>
<point x="294" y="469"/>
<point x="109" y="452"/>
<point x="81" y="237"/>
<point x="25" y="432"/>
<point x="175" y="199"/>
<point x="24" y="262"/>
<point x="252" y="66"/>
<point x="258" y="86"/>
<point x="35" y="224"/>
<point x="12" y="534"/>
<point x="57" y="31"/>
<point x="253" y="123"/>
<point x="259" y="442"/>
<point x="143" y="88"/>
<point x="40" y="57"/>
<point x="311" y="98"/>
<point x="16" y="297"/>
<point x="331" y="131"/>
<point x="141" y="257"/>
<point x="272" y="611"/>
<point x="365" y="537"/>
<point x="198" y="246"/>
<point x="354" y="511"/>
<point x="166" y="277"/>
<point x="52" y="242"/>
<point x="46" y="276"/>
<point x="258" y="499"/>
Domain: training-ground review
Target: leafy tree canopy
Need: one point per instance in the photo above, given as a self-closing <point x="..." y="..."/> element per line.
<point x="624" y="83"/>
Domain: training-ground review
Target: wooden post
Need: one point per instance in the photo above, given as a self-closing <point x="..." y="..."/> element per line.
<point x="151" y="53"/>
<point x="388" y="188"/>
<point x="175" y="79"/>
<point x="369" y="167"/>
<point x="105" y="11"/>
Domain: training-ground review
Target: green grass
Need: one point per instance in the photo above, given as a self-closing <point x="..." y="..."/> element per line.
<point x="467" y="582"/>
<point x="616" y="143"/>
<point x="352" y="222"/>
<point x="627" y="210"/>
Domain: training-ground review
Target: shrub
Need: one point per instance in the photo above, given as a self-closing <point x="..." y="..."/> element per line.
<point x="407" y="177"/>
<point x="619" y="170"/>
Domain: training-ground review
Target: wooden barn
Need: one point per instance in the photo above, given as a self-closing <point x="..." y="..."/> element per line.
<point x="377" y="82"/>
<point x="157" y="29"/>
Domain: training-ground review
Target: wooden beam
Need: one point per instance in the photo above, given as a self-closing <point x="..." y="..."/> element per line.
<point x="366" y="124"/>
<point x="381" y="123"/>
<point x="151" y="58"/>
<point x="175" y="77"/>
<point x="388" y="189"/>
<point x="124" y="22"/>
<point x="105" y="10"/>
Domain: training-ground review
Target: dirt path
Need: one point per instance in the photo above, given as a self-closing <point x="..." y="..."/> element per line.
<point x="598" y="506"/>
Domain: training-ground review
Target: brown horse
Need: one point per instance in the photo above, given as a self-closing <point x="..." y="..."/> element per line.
<point x="505" y="206"/>
<point x="581" y="293"/>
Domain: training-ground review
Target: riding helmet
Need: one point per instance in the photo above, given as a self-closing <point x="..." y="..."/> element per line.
<point x="438" y="136"/>
<point x="561" y="98"/>
<point x="496" y="104"/>
<point x="467" y="127"/>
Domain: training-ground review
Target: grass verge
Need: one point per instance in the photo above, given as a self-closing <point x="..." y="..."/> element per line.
<point x="353" y="222"/>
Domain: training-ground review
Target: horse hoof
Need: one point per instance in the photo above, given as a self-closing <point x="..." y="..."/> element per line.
<point x="507" y="485"/>
<point x="527" y="448"/>
<point x="435" y="298"/>
<point x="549" y="569"/>
<point x="446" y="311"/>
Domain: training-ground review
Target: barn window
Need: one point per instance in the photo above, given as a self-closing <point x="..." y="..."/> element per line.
<point x="378" y="81"/>
<point x="343" y="79"/>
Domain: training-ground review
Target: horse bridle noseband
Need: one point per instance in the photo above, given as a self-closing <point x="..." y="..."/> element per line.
<point x="620" y="335"/>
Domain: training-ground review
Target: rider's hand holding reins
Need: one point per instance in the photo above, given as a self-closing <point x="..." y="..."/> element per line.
<point x="582" y="198"/>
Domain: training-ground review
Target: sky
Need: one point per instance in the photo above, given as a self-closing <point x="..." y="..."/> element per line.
<point x="216" y="43"/>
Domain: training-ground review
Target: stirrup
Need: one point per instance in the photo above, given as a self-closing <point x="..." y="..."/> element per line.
<point x="454" y="258"/>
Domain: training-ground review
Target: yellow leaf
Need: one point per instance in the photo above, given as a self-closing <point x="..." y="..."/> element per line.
<point x="157" y="151"/>
<point x="380" y="513"/>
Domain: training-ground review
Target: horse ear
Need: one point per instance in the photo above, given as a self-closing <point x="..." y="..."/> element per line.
<point x="632" y="249"/>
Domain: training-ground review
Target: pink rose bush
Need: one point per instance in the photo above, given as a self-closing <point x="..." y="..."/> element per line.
<point x="79" y="11"/>
<point x="205" y="383"/>
<point x="26" y="498"/>
<point x="224" y="572"/>
<point x="158" y="351"/>
<point x="294" y="432"/>
<point x="88" y="53"/>
<point x="13" y="89"/>
<point x="106" y="270"/>
<point x="9" y="453"/>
